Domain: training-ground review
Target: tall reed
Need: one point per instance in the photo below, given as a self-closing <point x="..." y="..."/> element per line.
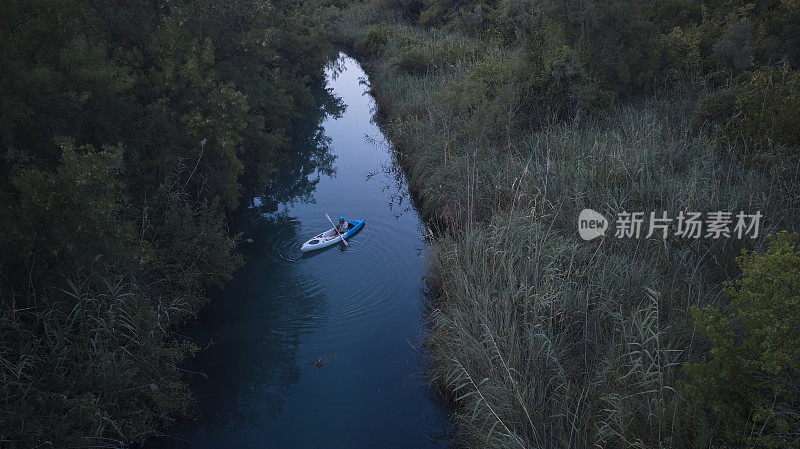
<point x="539" y="339"/>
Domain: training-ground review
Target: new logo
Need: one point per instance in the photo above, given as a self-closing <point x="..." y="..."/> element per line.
<point x="591" y="224"/>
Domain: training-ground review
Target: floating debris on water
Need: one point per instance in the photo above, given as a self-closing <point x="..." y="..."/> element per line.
<point x="320" y="362"/>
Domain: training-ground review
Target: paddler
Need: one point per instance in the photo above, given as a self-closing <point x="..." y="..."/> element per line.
<point x="341" y="227"/>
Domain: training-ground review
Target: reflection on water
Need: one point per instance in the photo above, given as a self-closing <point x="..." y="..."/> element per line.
<point x="395" y="187"/>
<point x="317" y="350"/>
<point x="309" y="160"/>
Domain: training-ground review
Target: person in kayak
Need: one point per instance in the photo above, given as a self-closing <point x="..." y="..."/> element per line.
<point x="341" y="227"/>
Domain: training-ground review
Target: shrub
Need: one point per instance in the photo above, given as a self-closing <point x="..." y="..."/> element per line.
<point x="678" y="56"/>
<point x="97" y="369"/>
<point x="750" y="381"/>
<point x="413" y="62"/>
<point x="408" y="9"/>
<point x="67" y="217"/>
<point x="560" y="85"/>
<point x="734" y="50"/>
<point x="762" y="111"/>
<point x="376" y="40"/>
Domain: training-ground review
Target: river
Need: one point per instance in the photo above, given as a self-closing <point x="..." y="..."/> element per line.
<point x="356" y="311"/>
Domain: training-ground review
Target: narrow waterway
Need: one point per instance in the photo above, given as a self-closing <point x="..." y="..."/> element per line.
<point x="356" y="311"/>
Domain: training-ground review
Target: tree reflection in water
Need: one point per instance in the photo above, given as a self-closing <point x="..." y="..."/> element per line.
<point x="244" y="379"/>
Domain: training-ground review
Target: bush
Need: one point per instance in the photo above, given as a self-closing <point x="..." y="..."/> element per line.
<point x="678" y="57"/>
<point x="763" y="111"/>
<point x="123" y="145"/>
<point x="413" y="62"/>
<point x="559" y="85"/>
<point x="95" y="370"/>
<point x="67" y="217"/>
<point x="751" y="378"/>
<point x="376" y="40"/>
<point x="735" y="50"/>
<point x="408" y="9"/>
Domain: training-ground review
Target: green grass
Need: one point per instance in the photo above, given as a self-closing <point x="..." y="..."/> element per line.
<point x="539" y="339"/>
<point x="96" y="369"/>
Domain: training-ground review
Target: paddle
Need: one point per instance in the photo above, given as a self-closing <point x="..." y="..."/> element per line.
<point x="337" y="231"/>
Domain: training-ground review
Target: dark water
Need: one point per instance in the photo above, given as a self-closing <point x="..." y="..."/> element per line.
<point x="359" y="309"/>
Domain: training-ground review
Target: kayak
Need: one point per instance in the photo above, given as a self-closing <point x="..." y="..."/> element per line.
<point x="324" y="239"/>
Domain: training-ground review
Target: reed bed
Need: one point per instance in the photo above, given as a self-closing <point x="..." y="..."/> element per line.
<point x="90" y="370"/>
<point x="539" y="339"/>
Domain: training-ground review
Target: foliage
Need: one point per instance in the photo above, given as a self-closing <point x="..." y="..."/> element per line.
<point x="491" y="90"/>
<point x="97" y="367"/>
<point x="68" y="217"/>
<point x="413" y="62"/>
<point x="734" y="50"/>
<point x="620" y="48"/>
<point x="538" y="339"/>
<point x="762" y="110"/>
<point x="376" y="40"/>
<point x="126" y="128"/>
<point x="750" y="379"/>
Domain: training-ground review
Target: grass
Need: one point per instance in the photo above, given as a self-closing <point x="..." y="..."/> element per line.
<point x="539" y="339"/>
<point x="97" y="369"/>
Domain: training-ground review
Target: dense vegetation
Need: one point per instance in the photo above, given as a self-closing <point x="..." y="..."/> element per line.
<point x="125" y="130"/>
<point x="512" y="116"/>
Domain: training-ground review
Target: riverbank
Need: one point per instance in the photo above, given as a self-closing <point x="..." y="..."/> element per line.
<point x="537" y="337"/>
